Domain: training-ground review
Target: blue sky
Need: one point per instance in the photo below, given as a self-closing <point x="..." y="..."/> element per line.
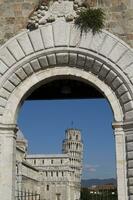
<point x="44" y="123"/>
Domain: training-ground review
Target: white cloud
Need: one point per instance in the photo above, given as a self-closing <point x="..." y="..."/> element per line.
<point x="90" y="168"/>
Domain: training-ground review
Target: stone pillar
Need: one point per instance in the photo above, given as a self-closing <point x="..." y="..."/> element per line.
<point x="7" y="161"/>
<point x="128" y="128"/>
<point x="121" y="168"/>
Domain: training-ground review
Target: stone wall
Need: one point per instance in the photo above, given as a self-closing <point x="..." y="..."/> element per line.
<point x="119" y="17"/>
<point x="13" y="16"/>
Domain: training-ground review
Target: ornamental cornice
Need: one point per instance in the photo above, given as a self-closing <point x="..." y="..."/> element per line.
<point x="8" y="129"/>
<point x="126" y="126"/>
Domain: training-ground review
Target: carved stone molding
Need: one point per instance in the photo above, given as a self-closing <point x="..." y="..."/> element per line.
<point x="50" y="12"/>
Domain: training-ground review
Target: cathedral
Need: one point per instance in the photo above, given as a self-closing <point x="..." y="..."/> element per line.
<point x="50" y="176"/>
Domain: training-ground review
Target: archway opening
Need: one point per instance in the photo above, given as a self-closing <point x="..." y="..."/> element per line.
<point x="72" y="92"/>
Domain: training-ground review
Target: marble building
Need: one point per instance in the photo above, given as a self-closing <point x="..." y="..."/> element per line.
<point x="52" y="176"/>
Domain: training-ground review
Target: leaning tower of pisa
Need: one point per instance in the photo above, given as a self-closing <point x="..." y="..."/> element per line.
<point x="73" y="146"/>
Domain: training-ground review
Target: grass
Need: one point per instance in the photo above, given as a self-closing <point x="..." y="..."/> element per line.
<point x="90" y="20"/>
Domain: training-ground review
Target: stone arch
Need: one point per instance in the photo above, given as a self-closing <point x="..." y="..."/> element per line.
<point x="54" y="50"/>
<point x="42" y="77"/>
<point x="103" y="55"/>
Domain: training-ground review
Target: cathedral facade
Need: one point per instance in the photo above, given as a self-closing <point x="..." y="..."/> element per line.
<point x="51" y="176"/>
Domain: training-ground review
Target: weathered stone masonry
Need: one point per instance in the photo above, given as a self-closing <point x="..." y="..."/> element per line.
<point x="57" y="50"/>
<point x="119" y="21"/>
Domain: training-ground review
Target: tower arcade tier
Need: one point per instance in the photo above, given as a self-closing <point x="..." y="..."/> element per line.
<point x="73" y="146"/>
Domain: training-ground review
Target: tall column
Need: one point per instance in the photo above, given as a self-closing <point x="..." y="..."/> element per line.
<point x="7" y="161"/>
<point x="128" y="128"/>
<point x="121" y="167"/>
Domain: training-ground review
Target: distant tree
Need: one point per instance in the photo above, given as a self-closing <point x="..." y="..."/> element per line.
<point x="101" y="195"/>
<point x="85" y="194"/>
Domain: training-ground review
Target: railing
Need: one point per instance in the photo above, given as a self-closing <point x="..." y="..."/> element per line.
<point x="24" y="195"/>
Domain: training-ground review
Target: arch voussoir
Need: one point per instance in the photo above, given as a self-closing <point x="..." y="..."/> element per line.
<point x="76" y="59"/>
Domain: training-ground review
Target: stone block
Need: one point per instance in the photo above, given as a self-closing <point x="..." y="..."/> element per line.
<point x="129" y="71"/>
<point x="128" y="106"/>
<point x="96" y="67"/>
<point x="130" y="146"/>
<point x="89" y="63"/>
<point x="117" y="52"/>
<point x="130" y="181"/>
<point x="130" y="156"/>
<point x="85" y="40"/>
<point x="15" y="79"/>
<point x="28" y="69"/>
<point x="9" y="86"/>
<point x="130" y="190"/>
<point x="122" y="89"/>
<point x="3" y="67"/>
<point x="108" y="44"/>
<point x="125" y="97"/>
<point x="81" y="60"/>
<point x="130" y="173"/>
<point x="36" y="40"/>
<point x="103" y="72"/>
<point x="61" y="31"/>
<point x="97" y="41"/>
<point x="129" y="115"/>
<point x="47" y="36"/>
<point x="110" y="77"/>
<point x="16" y="50"/>
<point x="43" y="61"/>
<point x="6" y="57"/>
<point x="4" y="93"/>
<point x="62" y="58"/>
<point x="10" y="20"/>
<point x="26" y="7"/>
<point x="130" y="197"/>
<point x="75" y="37"/>
<point x="21" y="74"/>
<point x="125" y="60"/>
<point x="116" y="83"/>
<point x="129" y="138"/>
<point x="130" y="165"/>
<point x="73" y="59"/>
<point x="35" y="65"/>
<point x="51" y="59"/>
<point x="25" y="44"/>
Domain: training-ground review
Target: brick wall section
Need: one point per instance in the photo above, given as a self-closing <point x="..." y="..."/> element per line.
<point x="119" y="17"/>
